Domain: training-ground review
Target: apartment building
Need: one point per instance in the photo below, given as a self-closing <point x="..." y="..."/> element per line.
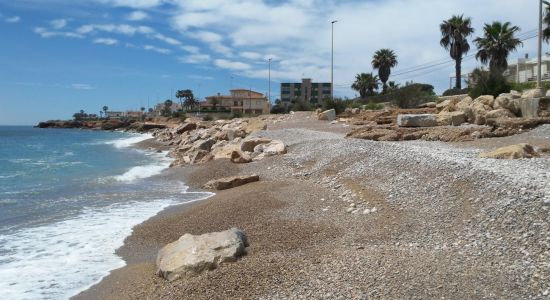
<point x="241" y="100"/>
<point x="307" y="91"/>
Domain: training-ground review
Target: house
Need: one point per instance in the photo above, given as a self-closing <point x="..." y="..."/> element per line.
<point x="134" y="114"/>
<point x="115" y="114"/>
<point x="239" y="100"/>
<point x="306" y="91"/>
<point x="159" y="108"/>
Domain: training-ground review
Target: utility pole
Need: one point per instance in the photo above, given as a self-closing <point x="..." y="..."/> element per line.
<point x="539" y="67"/>
<point x="332" y="64"/>
<point x="269" y="79"/>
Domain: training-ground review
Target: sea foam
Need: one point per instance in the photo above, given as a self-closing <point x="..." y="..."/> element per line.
<point x="128" y="142"/>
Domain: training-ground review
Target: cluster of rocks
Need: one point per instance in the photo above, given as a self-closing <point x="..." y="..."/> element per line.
<point x="194" y="143"/>
<point x="512" y="152"/>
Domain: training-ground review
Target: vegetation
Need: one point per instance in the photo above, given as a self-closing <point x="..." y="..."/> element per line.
<point x="374" y="106"/>
<point x="207" y="117"/>
<point x="528" y="85"/>
<point x="496" y="44"/>
<point x="105" y="109"/>
<point x="337" y="104"/>
<point x="167" y="110"/>
<point x="455" y="91"/>
<point x="384" y="60"/>
<point x="455" y="32"/>
<point x="408" y="96"/>
<point x="546" y="22"/>
<point x="236" y="114"/>
<point x="366" y="84"/>
<point x="187" y="99"/>
<point x="484" y="82"/>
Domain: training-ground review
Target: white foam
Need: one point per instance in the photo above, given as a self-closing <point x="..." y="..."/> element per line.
<point x="59" y="260"/>
<point x="161" y="163"/>
<point x="127" y="142"/>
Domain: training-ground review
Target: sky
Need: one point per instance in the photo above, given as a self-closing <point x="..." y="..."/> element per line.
<point x="60" y="56"/>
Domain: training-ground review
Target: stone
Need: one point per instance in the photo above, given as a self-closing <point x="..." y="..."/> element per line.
<point x="231" y="182"/>
<point x="480" y="111"/>
<point x="444" y="104"/>
<point x="487" y="100"/>
<point x="355" y="111"/>
<point x="239" y="157"/>
<point x="428" y="105"/>
<point x="249" y="144"/>
<point x="327" y="115"/>
<point x="274" y="147"/>
<point x="455" y="118"/>
<point x="205" y="145"/>
<point x="509" y="102"/>
<point x="197" y="156"/>
<point x="225" y="150"/>
<point x="254" y="125"/>
<point x="533" y="93"/>
<point x="191" y="254"/>
<point x="531" y="108"/>
<point x="512" y="152"/>
<point x="185" y="127"/>
<point x="499" y="113"/>
<point x="465" y="106"/>
<point x="423" y="120"/>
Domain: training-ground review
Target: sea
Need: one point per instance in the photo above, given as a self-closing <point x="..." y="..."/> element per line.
<point x="68" y="199"/>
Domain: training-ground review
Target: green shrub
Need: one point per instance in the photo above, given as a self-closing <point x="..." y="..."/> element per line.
<point x="455" y="91"/>
<point x="355" y="104"/>
<point x="374" y="106"/>
<point x="236" y="114"/>
<point x="337" y="104"/>
<point x="486" y="83"/>
<point x="207" y="117"/>
<point x="408" y="96"/>
<point x="520" y="87"/>
<point x="300" y="105"/>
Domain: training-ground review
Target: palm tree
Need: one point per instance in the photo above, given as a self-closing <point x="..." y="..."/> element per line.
<point x="180" y="95"/>
<point x="384" y="60"/>
<point x="365" y="84"/>
<point x="546" y="22"/>
<point x="496" y="44"/>
<point x="105" y="109"/>
<point x="189" y="98"/>
<point x="454" y="37"/>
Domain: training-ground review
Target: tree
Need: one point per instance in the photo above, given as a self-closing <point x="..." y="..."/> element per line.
<point x="167" y="111"/>
<point x="180" y="96"/>
<point x="105" y="109"/>
<point x="496" y="44"/>
<point x="454" y="38"/>
<point x="365" y="84"/>
<point x="189" y="98"/>
<point x="546" y="22"/>
<point x="215" y="101"/>
<point x="384" y="60"/>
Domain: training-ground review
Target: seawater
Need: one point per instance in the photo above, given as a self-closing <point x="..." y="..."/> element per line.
<point x="68" y="198"/>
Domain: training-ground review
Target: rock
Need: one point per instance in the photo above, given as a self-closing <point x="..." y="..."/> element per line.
<point x="428" y="105"/>
<point x="198" y="156"/>
<point x="455" y="118"/>
<point x="423" y="120"/>
<point x="355" y="111"/>
<point x="509" y="102"/>
<point x="225" y="150"/>
<point x="465" y="106"/>
<point x="249" y="144"/>
<point x="487" y="100"/>
<point x="191" y="254"/>
<point x="254" y="125"/>
<point x="185" y="127"/>
<point x="499" y="113"/>
<point x="204" y="144"/>
<point x="532" y="93"/>
<point x="327" y="115"/>
<point x="479" y="111"/>
<point x="512" y="152"/>
<point x="274" y="147"/>
<point x="444" y="104"/>
<point x="231" y="182"/>
<point x="239" y="157"/>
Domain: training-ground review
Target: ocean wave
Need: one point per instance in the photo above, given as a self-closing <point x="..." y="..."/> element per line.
<point x="81" y="250"/>
<point x="161" y="163"/>
<point x="128" y="142"/>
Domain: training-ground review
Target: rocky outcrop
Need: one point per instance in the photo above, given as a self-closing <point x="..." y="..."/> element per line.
<point x="327" y="115"/>
<point x="499" y="113"/>
<point x="512" y="152"/>
<point x="423" y="120"/>
<point x="454" y="118"/>
<point x="250" y="144"/>
<point x="191" y="254"/>
<point x="231" y="182"/>
<point x="533" y="93"/>
<point x="239" y="157"/>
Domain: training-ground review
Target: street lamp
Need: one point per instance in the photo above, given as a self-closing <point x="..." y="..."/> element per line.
<point x="269" y="79"/>
<point x="332" y="63"/>
<point x="539" y="67"/>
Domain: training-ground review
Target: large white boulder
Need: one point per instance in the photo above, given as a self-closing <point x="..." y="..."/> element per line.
<point x="455" y="118"/>
<point x="533" y="93"/>
<point x="487" y="100"/>
<point x="509" y="102"/>
<point x="249" y="144"/>
<point x="274" y="147"/>
<point x="499" y="113"/>
<point x="192" y="254"/>
<point x="422" y="120"/>
<point x="327" y="115"/>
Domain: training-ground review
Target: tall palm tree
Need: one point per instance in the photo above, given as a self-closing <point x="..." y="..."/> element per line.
<point x="454" y="37"/>
<point x="105" y="109"/>
<point x="180" y="95"/>
<point x="365" y="84"/>
<point x="496" y="44"/>
<point x="384" y="60"/>
<point x="546" y="22"/>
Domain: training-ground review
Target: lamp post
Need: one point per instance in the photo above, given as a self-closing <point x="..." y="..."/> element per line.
<point x="269" y="79"/>
<point x="539" y="59"/>
<point x="332" y="63"/>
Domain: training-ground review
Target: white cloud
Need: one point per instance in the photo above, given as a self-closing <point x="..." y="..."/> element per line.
<point x="157" y="49"/>
<point x="14" y="19"/>
<point x="191" y="49"/>
<point x="106" y="41"/>
<point x="124" y="29"/>
<point x="166" y="39"/>
<point x="58" y="24"/>
<point x="81" y="86"/>
<point x="133" y="3"/>
<point x="200" y="77"/>
<point x="231" y="65"/>
<point x="46" y="33"/>
<point x="195" y="58"/>
<point x="251" y="55"/>
<point x="137" y="15"/>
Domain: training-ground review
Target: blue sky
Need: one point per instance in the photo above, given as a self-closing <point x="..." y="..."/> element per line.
<point x="60" y="56"/>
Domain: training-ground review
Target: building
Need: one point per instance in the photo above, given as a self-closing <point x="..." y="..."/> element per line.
<point x="135" y="114"/>
<point x="519" y="70"/>
<point x="159" y="108"/>
<point x="115" y="114"/>
<point x="241" y="100"/>
<point x="307" y="91"/>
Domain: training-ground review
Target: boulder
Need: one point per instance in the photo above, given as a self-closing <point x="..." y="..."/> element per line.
<point x="200" y="156"/>
<point x="191" y="254"/>
<point x="231" y="182"/>
<point x="427" y="105"/>
<point x="423" y="120"/>
<point x="455" y="118"/>
<point x="479" y="111"/>
<point x="355" y="111"/>
<point x="224" y="150"/>
<point x="499" y="113"/>
<point x="487" y="100"/>
<point x="204" y="144"/>
<point x="512" y="152"/>
<point x="509" y="102"/>
<point x="327" y="115"/>
<point x="249" y="144"/>
<point x="185" y="127"/>
<point x="532" y="93"/>
<point x="254" y="125"/>
<point x="239" y="157"/>
<point x="274" y="147"/>
<point x="465" y="106"/>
